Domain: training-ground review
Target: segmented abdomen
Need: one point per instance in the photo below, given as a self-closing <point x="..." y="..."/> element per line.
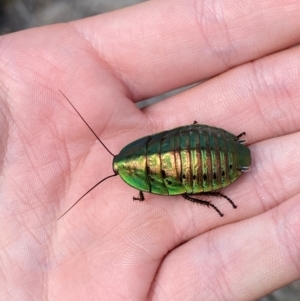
<point x="189" y="159"/>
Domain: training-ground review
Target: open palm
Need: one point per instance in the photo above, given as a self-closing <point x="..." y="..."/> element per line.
<point x="109" y="247"/>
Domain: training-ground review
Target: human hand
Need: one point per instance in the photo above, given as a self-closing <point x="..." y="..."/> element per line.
<point x="166" y="248"/>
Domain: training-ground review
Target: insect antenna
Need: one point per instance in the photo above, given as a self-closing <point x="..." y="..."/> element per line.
<point x="86" y="123"/>
<point x="87" y="193"/>
<point x="115" y="174"/>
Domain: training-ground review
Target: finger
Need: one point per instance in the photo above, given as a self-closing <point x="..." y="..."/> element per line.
<point x="260" y="98"/>
<point x="158" y="46"/>
<point x="242" y="261"/>
<point x="273" y="177"/>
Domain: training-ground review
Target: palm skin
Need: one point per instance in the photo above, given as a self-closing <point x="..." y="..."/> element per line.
<point x="166" y="248"/>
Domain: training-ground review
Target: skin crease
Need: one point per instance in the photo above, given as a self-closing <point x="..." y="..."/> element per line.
<point x="166" y="248"/>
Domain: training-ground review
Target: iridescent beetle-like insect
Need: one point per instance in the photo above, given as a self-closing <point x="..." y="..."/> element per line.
<point x="189" y="160"/>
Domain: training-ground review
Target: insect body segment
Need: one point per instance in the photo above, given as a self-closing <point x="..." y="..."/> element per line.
<point x="190" y="159"/>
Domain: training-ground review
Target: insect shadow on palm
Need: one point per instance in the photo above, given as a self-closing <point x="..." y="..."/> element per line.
<point x="192" y="160"/>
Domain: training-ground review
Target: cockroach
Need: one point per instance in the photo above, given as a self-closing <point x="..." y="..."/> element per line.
<point x="192" y="160"/>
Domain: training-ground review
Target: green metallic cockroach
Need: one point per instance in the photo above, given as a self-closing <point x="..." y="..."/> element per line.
<point x="189" y="160"/>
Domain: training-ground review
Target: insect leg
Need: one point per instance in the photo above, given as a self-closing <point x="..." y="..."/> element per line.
<point x="140" y="197"/>
<point x="219" y="194"/>
<point x="245" y="168"/>
<point x="202" y="202"/>
<point x="241" y="134"/>
<point x="241" y="141"/>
